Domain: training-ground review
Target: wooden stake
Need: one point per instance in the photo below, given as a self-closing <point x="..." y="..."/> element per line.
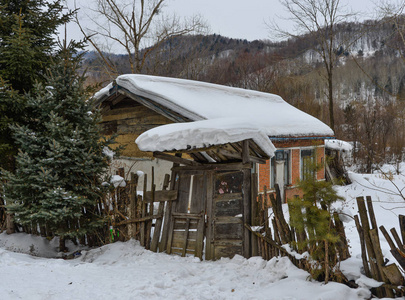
<point x="369" y="245"/>
<point x="168" y="211"/>
<point x="380" y="260"/>
<point x="143" y="212"/>
<point x="397" y="239"/>
<point x="371" y="213"/>
<point x="158" y="224"/>
<point x="150" y="210"/>
<point x="254" y="211"/>
<point x="363" y="246"/>
<point x="132" y="203"/>
<point x="402" y="227"/>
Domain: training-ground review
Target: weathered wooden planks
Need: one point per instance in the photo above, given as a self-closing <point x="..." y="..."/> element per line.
<point x="159" y="221"/>
<point x="184" y="235"/>
<point x="160" y="196"/>
<point x="388" y="274"/>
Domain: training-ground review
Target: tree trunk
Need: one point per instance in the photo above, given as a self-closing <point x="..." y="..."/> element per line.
<point x="330" y="96"/>
<point x="62" y="246"/>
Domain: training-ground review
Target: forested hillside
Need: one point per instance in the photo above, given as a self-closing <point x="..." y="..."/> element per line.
<point x="369" y="77"/>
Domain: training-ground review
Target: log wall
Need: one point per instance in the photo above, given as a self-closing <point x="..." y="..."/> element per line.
<point x="129" y="122"/>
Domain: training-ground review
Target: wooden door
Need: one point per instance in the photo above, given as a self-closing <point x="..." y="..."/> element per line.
<point x="227" y="215"/>
<point x="186" y="233"/>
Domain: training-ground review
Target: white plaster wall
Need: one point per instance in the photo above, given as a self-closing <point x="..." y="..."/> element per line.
<point x="130" y="164"/>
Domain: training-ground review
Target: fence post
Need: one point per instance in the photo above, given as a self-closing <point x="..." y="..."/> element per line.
<point x="132" y="204"/>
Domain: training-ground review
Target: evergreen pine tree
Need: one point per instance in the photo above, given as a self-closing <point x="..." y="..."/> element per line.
<point x="11" y="107"/>
<point x="27" y="31"/>
<point x="313" y="214"/>
<point x="60" y="164"/>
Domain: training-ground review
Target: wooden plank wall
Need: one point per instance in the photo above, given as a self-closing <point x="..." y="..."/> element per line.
<point x="129" y="122"/>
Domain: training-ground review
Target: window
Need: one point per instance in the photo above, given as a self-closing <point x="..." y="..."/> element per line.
<point x="280" y="156"/>
<point x="307" y="163"/>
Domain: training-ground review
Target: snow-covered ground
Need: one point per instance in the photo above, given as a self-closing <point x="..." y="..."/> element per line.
<point x="127" y="271"/>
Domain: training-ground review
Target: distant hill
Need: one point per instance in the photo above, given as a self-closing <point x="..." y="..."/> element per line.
<point x="370" y="64"/>
<point x="369" y="78"/>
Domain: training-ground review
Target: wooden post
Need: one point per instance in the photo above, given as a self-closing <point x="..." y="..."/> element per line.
<point x="343" y="246"/>
<point x="209" y="246"/>
<point x="397" y="253"/>
<point x="132" y="204"/>
<point x="387" y="237"/>
<point x="402" y="227"/>
<point x="185" y="240"/>
<point x="282" y="225"/>
<point x="380" y="260"/>
<point x="150" y="210"/>
<point x="246" y="211"/>
<point x="366" y="231"/>
<point x="143" y="211"/>
<point x="168" y="211"/>
<point x="371" y="213"/>
<point x="158" y="224"/>
<point x="200" y="236"/>
<point x="397" y="239"/>
<point x="245" y="151"/>
<point x="276" y="232"/>
<point x="363" y="246"/>
<point x="254" y="209"/>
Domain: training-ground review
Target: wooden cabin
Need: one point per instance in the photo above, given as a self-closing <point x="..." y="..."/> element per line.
<point x="233" y="143"/>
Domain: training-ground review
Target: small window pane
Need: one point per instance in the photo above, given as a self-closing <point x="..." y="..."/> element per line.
<point x="307" y="159"/>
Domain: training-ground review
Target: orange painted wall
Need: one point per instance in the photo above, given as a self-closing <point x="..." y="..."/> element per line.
<point x="295" y="160"/>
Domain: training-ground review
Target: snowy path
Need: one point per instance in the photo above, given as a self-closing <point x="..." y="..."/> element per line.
<point x="127" y="271"/>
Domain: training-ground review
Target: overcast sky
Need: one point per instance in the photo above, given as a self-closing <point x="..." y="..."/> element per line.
<point x="244" y="19"/>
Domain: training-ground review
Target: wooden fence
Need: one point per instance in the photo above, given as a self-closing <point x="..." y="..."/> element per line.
<point x="149" y="218"/>
<point x="138" y="215"/>
<point x="374" y="264"/>
<point x="270" y="233"/>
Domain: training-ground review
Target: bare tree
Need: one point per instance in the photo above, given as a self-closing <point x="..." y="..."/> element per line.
<point x="137" y="27"/>
<point x="318" y="19"/>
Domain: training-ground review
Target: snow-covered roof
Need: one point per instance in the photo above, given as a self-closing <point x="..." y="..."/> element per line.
<point x="196" y="101"/>
<point x="202" y="134"/>
<point x="338" y="145"/>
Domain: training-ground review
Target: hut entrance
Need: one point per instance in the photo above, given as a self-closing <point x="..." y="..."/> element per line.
<point x="209" y="204"/>
<point x="186" y="235"/>
<point x="214" y="201"/>
<point x="227" y="215"/>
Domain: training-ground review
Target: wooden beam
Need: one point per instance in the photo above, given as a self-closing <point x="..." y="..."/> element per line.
<point x="238" y="155"/>
<point x="160" y="196"/>
<point x="118" y="99"/>
<point x="160" y="109"/>
<point x="175" y="159"/>
<point x="215" y="166"/>
<point x="245" y="151"/>
<point x="186" y="216"/>
<point x="143" y="219"/>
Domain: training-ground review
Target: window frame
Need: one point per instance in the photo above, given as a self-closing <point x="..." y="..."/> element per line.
<point x="287" y="168"/>
<point x="310" y="156"/>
